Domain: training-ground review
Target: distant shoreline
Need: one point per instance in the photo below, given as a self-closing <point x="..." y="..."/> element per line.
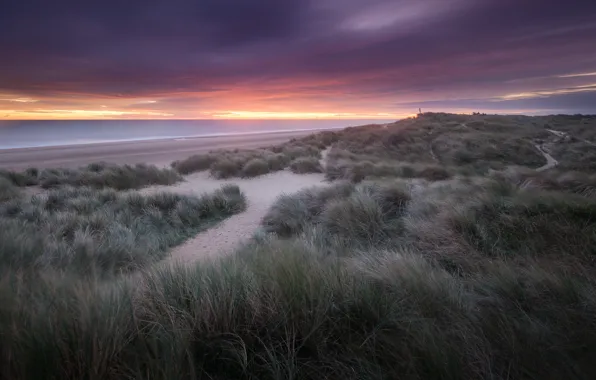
<point x="180" y="137"/>
<point x="159" y="152"/>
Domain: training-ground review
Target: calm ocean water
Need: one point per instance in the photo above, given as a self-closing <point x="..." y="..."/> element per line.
<point x="21" y="134"/>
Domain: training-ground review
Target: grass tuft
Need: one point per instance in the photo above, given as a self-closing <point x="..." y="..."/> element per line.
<point x="444" y="255"/>
<point x="304" y="165"/>
<point x="85" y="230"/>
<point x="282" y="309"/>
<point x="8" y="191"/>
<point x="255" y="167"/>
<point x="235" y="163"/>
<point x="97" y="175"/>
<point x="196" y="163"/>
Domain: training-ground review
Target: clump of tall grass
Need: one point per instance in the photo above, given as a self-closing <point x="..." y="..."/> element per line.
<point x="534" y="222"/>
<point x="195" y="163"/>
<point x="343" y="165"/>
<point x="282" y="309"/>
<point x="581" y="183"/>
<point x="470" y="222"/>
<point x="102" y="175"/>
<point x="291" y="213"/>
<point x="277" y="161"/>
<point x="575" y="155"/>
<point x="488" y="148"/>
<point x="225" y="168"/>
<point x="235" y="163"/>
<point x="303" y="165"/>
<point x="368" y="215"/>
<point x="28" y="177"/>
<point x="97" y="175"/>
<point x="255" y="167"/>
<point x="8" y="191"/>
<point x="84" y="230"/>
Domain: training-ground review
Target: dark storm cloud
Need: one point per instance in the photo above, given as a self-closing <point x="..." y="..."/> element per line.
<point x="425" y="49"/>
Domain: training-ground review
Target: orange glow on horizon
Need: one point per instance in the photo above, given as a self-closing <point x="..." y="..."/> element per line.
<point x="300" y="115"/>
<point x="238" y="103"/>
<point x="106" y="114"/>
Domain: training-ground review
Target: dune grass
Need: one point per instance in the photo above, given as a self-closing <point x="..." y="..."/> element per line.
<point x="255" y="167"/>
<point x="256" y="162"/>
<point x="97" y="175"/>
<point x="577" y="126"/>
<point x="302" y="165"/>
<point x="580" y="183"/>
<point x="530" y="223"/>
<point x="286" y="310"/>
<point x="86" y="231"/>
<point x="29" y="177"/>
<point x="8" y="191"/>
<point x="423" y="263"/>
<point x="460" y="222"/>
<point x="433" y="146"/>
<point x="344" y="165"/>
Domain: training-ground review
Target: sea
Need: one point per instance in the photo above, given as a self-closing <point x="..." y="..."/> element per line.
<point x="41" y="133"/>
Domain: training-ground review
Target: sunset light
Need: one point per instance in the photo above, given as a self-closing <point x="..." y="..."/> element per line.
<point x="299" y="59"/>
<point x="298" y="189"/>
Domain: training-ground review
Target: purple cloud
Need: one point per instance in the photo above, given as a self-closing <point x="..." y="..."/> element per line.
<point x="327" y="54"/>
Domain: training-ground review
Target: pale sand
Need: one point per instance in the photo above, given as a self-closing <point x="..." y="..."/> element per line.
<point x="156" y="152"/>
<point x="550" y="161"/>
<point x="261" y="192"/>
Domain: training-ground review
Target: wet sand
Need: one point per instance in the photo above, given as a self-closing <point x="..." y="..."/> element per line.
<point x="157" y="152"/>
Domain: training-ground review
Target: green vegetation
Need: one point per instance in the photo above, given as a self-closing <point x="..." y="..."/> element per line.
<point x="7" y="190"/>
<point x="97" y="175"/>
<point x="579" y="127"/>
<point x="435" y="147"/>
<point x="303" y="165"/>
<point x="555" y="179"/>
<point x="299" y="154"/>
<point x="286" y="309"/>
<point x="440" y="252"/>
<point x="82" y="230"/>
<point x="255" y="167"/>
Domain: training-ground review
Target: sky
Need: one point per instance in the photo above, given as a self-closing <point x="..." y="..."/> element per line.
<point x="255" y="59"/>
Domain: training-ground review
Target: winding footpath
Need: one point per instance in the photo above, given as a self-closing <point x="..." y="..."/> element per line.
<point x="550" y="161"/>
<point x="261" y="193"/>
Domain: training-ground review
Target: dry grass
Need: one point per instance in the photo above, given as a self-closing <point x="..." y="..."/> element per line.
<point x="456" y="262"/>
<point x="87" y="231"/>
<point x="8" y="191"/>
<point x="284" y="309"/>
<point x="302" y="165"/>
<point x="255" y="162"/>
<point x="255" y="167"/>
<point x="97" y="175"/>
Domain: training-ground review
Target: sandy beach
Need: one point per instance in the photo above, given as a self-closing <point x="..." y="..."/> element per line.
<point x="157" y="152"/>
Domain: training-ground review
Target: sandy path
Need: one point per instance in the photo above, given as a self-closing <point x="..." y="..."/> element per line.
<point x="550" y="161"/>
<point x="260" y="192"/>
<point x="565" y="134"/>
<point x="557" y="133"/>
